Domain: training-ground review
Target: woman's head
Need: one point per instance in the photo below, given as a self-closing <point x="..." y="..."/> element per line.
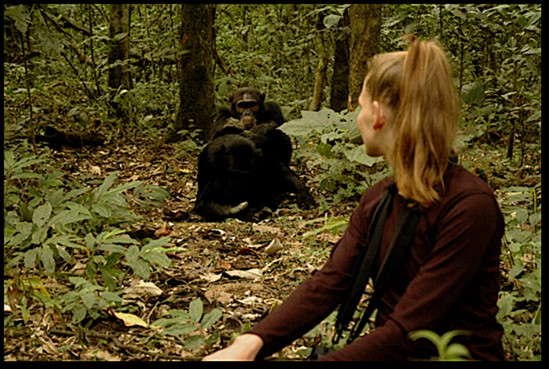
<point x="411" y="116"/>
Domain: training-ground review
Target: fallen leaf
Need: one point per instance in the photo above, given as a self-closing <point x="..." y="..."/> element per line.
<point x="262" y="228"/>
<point x="211" y="277"/>
<point x="273" y="247"/>
<point x="224" y="264"/>
<point x="95" y="170"/>
<point x="220" y="296"/>
<point x="130" y="319"/>
<point x="163" y="231"/>
<point x="251" y="300"/>
<point x="248" y="274"/>
<point x="49" y="346"/>
<point x="143" y="288"/>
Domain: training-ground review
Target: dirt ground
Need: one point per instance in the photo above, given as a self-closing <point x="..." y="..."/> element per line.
<point x="243" y="269"/>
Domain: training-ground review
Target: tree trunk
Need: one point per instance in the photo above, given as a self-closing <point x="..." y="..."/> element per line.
<point x="196" y="93"/>
<point x="119" y="29"/>
<point x="340" y="76"/>
<point x="320" y="74"/>
<point x="365" y="22"/>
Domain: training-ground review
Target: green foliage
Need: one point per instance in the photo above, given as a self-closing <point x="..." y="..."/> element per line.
<point x="334" y="225"/>
<point x="192" y="324"/>
<point x="520" y="298"/>
<point x="495" y="50"/>
<point x="446" y="351"/>
<point x="51" y="227"/>
<point x="328" y="148"/>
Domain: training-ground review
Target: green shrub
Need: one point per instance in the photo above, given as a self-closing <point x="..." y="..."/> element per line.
<point x="52" y="227"/>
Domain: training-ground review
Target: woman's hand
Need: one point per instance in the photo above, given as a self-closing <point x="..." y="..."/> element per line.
<point x="244" y="348"/>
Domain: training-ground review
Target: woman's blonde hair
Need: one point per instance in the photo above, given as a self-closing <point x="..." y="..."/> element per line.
<point x="417" y="86"/>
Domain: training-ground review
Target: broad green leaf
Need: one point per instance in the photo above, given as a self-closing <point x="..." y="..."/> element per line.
<point x="78" y="281"/>
<point x="112" y="247"/>
<point x="67" y="217"/>
<point x="104" y="187"/>
<point x="111" y="296"/>
<point x="157" y="258"/>
<point x="358" y="154"/>
<point x="210" y="318"/>
<point x="90" y="241"/>
<point x="122" y="188"/>
<point x="41" y="214"/>
<point x="141" y="268"/>
<point x="78" y="313"/>
<point x="163" y="322"/>
<point x="196" y="308"/>
<point x="473" y="93"/>
<point x="102" y="209"/>
<point x="456" y="351"/>
<point x="132" y="253"/>
<point x="88" y="299"/>
<point x="156" y="244"/>
<point x="30" y="257"/>
<point x="64" y="254"/>
<point x="180" y="330"/>
<point x="39" y="235"/>
<point x="515" y="271"/>
<point x="194" y="342"/>
<point x="23" y="231"/>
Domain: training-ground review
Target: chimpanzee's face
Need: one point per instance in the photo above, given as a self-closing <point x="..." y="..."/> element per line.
<point x="247" y="102"/>
<point x="247" y="105"/>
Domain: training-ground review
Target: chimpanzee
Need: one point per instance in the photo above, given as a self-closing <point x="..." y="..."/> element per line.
<point x="244" y="169"/>
<point x="247" y="107"/>
<point x="226" y="177"/>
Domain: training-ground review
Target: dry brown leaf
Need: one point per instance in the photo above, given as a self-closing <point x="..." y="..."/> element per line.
<point x="142" y="288"/>
<point x="248" y="274"/>
<point x="273" y="247"/>
<point x="163" y="231"/>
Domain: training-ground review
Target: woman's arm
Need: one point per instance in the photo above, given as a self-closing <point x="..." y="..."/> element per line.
<point x="244" y="348"/>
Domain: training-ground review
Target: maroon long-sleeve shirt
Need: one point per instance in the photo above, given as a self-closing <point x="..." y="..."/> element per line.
<point x="448" y="281"/>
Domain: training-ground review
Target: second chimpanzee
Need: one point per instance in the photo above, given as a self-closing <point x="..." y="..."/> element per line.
<point x="245" y="168"/>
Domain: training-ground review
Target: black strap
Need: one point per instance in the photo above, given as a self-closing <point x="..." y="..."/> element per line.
<point x="400" y="244"/>
<point x="402" y="237"/>
<point x="365" y="265"/>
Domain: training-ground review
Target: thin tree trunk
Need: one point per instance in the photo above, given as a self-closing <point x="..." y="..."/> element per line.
<point x="119" y="75"/>
<point x="365" y="22"/>
<point x="340" y="76"/>
<point x="196" y="68"/>
<point x="320" y="74"/>
<point x="320" y="78"/>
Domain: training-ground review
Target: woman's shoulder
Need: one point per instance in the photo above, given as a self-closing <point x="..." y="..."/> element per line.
<point x="459" y="181"/>
<point x="464" y="190"/>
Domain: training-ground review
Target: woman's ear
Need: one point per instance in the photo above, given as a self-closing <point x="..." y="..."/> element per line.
<point x="379" y="118"/>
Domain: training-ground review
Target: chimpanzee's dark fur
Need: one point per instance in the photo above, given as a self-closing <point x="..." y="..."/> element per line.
<point x="245" y="168"/>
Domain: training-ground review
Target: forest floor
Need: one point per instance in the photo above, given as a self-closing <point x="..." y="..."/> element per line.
<point x="243" y="269"/>
<point x="227" y="265"/>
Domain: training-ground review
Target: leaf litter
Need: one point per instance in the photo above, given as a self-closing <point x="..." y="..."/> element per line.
<point x="243" y="270"/>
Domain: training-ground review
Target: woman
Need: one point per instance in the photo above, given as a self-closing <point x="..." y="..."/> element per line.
<point x="449" y="279"/>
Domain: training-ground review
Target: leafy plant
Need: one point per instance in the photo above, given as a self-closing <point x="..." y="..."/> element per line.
<point x="192" y="324"/>
<point x="520" y="299"/>
<point x="446" y="351"/>
<point x="52" y="228"/>
<point x="336" y="154"/>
